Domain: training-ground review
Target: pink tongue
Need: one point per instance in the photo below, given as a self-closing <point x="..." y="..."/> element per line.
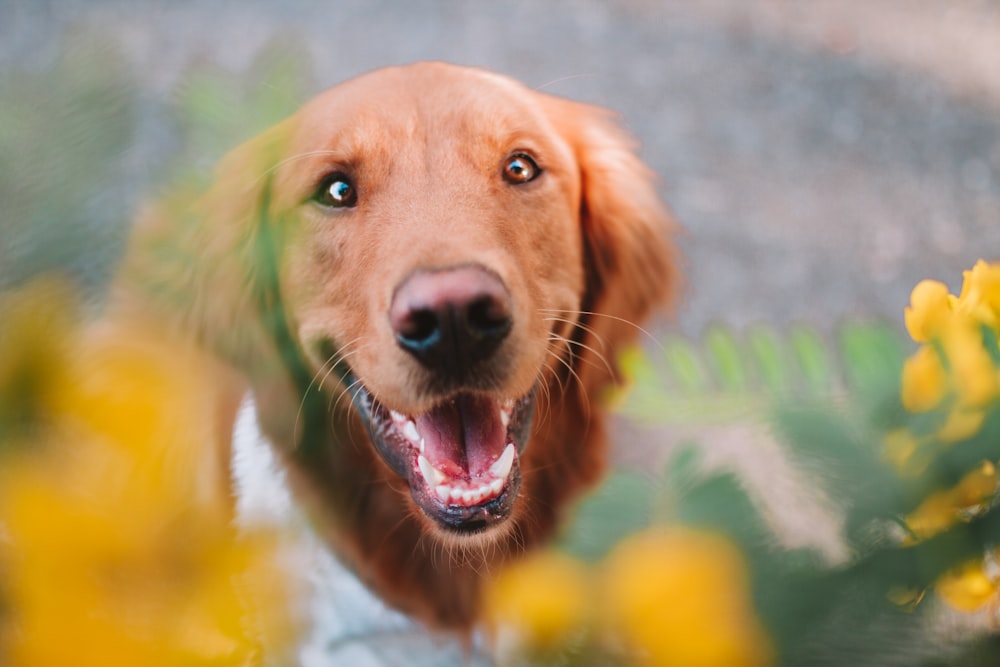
<point x="463" y="436"/>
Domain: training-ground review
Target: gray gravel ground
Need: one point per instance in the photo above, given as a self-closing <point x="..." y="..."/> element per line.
<point x="822" y="156"/>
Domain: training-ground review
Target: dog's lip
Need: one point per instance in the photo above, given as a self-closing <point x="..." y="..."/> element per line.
<point x="461" y="457"/>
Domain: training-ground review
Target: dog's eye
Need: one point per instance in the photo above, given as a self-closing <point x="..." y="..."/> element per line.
<point x="336" y="191"/>
<point x="520" y="168"/>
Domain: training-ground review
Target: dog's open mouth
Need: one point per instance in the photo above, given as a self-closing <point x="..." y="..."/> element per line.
<point x="461" y="457"/>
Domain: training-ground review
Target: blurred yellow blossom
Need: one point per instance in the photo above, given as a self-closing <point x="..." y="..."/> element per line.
<point x="924" y="380"/>
<point x="936" y="513"/>
<point x="900" y="450"/>
<point x="956" y="357"/>
<point x="980" y="295"/>
<point x="34" y="355"/>
<point x="943" y="509"/>
<point x="973" y="373"/>
<point x="543" y="599"/>
<point x="116" y="549"/>
<point x="968" y="586"/>
<point x="960" y="424"/>
<point x="929" y="309"/>
<point x="664" y="596"/>
<point x="977" y="487"/>
<point x="955" y="371"/>
<point x="681" y="597"/>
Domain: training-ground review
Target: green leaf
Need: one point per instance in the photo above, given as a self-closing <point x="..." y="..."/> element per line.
<point x="727" y="360"/>
<point x="772" y="366"/>
<point x="683" y="469"/>
<point x="685" y="365"/>
<point x="621" y="506"/>
<point x="811" y="354"/>
<point x="873" y="358"/>
<point x="846" y="465"/>
<point x="719" y="502"/>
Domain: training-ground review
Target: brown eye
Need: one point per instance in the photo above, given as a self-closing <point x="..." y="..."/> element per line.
<point x="336" y="191"/>
<point x="520" y="168"/>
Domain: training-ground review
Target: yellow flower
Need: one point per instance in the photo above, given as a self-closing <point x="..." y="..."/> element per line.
<point x="973" y="373"/>
<point x="954" y="325"/>
<point x="977" y="486"/>
<point x="929" y="309"/>
<point x="961" y="424"/>
<point x="968" y="586"/>
<point x="901" y="450"/>
<point x="542" y="600"/>
<point x="118" y="549"/>
<point x="936" y="513"/>
<point x="34" y="355"/>
<point x="942" y="509"/>
<point x="907" y="598"/>
<point x="980" y="295"/>
<point x="925" y="382"/>
<point x="681" y="597"/>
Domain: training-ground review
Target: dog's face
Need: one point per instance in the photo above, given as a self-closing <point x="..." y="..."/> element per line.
<point x="438" y="265"/>
<point x="455" y="247"/>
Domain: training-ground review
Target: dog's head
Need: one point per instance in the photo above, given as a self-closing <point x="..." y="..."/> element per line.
<point x="449" y="247"/>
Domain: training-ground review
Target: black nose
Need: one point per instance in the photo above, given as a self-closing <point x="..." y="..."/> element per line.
<point x="451" y="319"/>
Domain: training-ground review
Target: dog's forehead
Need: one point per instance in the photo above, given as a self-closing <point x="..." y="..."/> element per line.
<point x="425" y="98"/>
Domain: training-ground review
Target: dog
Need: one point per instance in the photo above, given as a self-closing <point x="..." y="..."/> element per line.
<point x="423" y="276"/>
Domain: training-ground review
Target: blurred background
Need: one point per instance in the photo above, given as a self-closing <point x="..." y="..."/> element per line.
<point x="822" y="156"/>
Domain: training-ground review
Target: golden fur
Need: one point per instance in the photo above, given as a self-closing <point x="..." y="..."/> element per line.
<point x="583" y="251"/>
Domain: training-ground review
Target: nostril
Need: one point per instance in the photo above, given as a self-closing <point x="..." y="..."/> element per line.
<point x="420" y="328"/>
<point x="488" y="317"/>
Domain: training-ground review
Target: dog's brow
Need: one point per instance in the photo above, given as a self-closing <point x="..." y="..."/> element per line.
<point x="293" y="158"/>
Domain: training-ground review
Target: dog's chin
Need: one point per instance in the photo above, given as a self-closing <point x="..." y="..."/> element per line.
<point x="461" y="458"/>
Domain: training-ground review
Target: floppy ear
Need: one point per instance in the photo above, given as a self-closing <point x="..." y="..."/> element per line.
<point x="204" y="263"/>
<point x="191" y="260"/>
<point x="631" y="261"/>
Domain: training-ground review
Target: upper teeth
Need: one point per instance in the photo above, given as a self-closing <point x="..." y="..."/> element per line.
<point x="452" y="490"/>
<point x="430" y="473"/>
<point x="410" y="431"/>
<point x="501" y="467"/>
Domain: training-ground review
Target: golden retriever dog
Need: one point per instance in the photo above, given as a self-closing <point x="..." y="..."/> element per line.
<point x="423" y="277"/>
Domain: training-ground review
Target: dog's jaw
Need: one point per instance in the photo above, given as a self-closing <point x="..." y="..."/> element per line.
<point x="461" y="458"/>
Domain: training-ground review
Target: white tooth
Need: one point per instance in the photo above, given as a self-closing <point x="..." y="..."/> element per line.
<point x="410" y="431"/>
<point x="433" y="476"/>
<point x="505" y="417"/>
<point x="426" y="469"/>
<point x="468" y="496"/>
<point x="397" y="416"/>
<point x="422" y="443"/>
<point x="501" y="467"/>
<point x="443" y="491"/>
<point x="456" y="494"/>
<point x="496" y="486"/>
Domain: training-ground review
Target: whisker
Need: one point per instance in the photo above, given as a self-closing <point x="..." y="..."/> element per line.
<point x="580" y="325"/>
<point x="632" y="324"/>
<point x="569" y="342"/>
<point x="345" y="392"/>
<point x="337" y="357"/>
<point x="569" y="77"/>
<point x="572" y="372"/>
<point x="292" y="158"/>
<point x="580" y="383"/>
